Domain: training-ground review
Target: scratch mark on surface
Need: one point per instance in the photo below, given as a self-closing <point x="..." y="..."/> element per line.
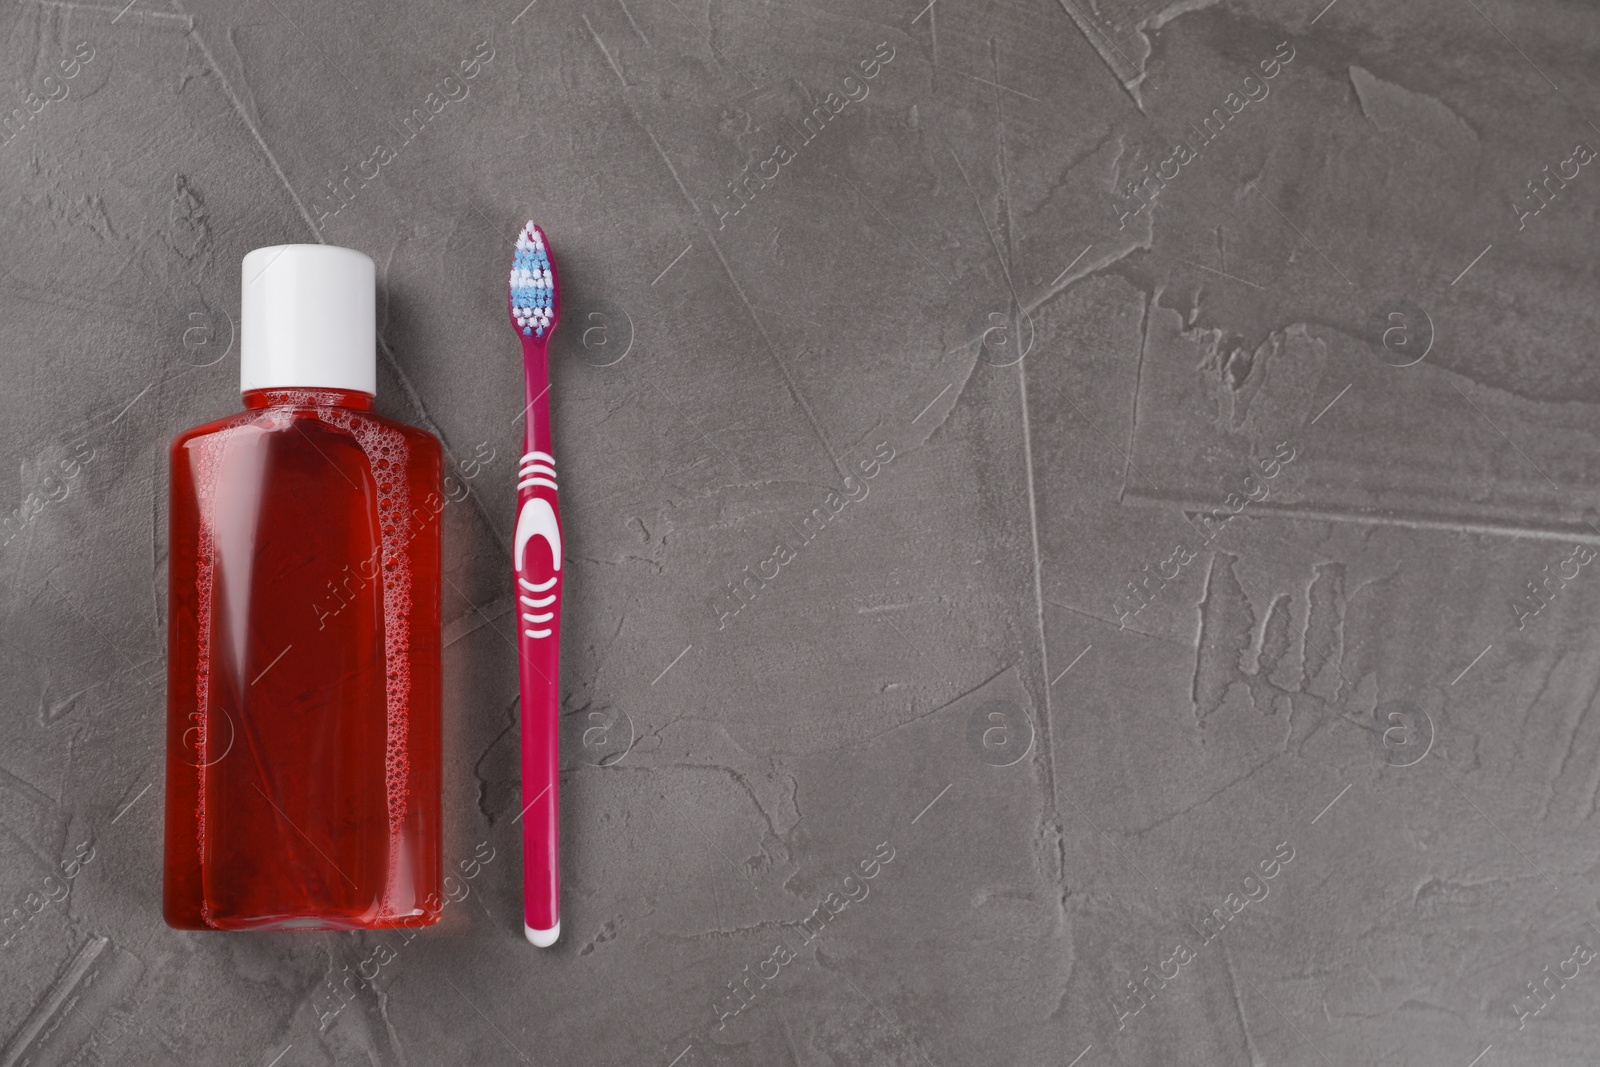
<point x="1085" y="816"/>
<point x="1138" y="384"/>
<point x="1221" y="274"/>
<point x="1046" y="742"/>
<point x="520" y="1054"/>
<point x="897" y="229"/>
<point x="140" y="16"/>
<point x="712" y="45"/>
<point x="997" y="85"/>
<point x="56" y="997"/>
<point x="238" y="107"/>
<point x="32" y="790"/>
<point x="1111" y="623"/>
<point x="1503" y="836"/>
<point x="1255" y="769"/>
<point x="856" y="743"/>
<point x="1580" y="712"/>
<point x="1378" y="517"/>
<point x="1053" y="291"/>
<point x="1238" y="1008"/>
<point x="1507" y="439"/>
<point x="1513" y="44"/>
<point x="1206" y="692"/>
<point x="622" y="4"/>
<point x="883" y="1015"/>
<point x="772" y="349"/>
<point x="1288" y="1020"/>
<point x="1296" y="229"/>
<point x="605" y="51"/>
<point x="1129" y="85"/>
<point x="988" y="231"/>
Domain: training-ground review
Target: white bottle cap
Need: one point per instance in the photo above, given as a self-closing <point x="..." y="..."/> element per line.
<point x="307" y="319"/>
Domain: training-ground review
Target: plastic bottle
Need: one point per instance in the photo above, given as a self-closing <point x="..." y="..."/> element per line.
<point x="303" y="682"/>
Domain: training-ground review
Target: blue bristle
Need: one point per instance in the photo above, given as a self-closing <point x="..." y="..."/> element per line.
<point x="533" y="293"/>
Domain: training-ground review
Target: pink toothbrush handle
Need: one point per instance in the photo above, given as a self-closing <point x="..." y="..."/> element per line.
<point x="536" y="560"/>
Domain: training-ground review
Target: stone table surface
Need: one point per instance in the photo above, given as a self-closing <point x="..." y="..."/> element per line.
<point x="1121" y="472"/>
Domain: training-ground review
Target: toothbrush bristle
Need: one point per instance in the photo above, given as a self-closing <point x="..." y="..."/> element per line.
<point x="533" y="285"/>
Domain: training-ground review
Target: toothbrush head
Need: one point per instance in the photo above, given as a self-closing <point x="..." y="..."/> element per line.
<point x="533" y="301"/>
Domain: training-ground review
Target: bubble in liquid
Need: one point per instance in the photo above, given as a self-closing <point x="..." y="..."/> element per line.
<point x="385" y="447"/>
<point x="387" y="451"/>
<point x="207" y="459"/>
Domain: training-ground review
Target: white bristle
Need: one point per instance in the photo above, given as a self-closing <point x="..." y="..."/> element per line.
<point x="532" y="281"/>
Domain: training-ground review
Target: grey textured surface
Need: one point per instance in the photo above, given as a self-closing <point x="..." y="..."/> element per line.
<point x="946" y="661"/>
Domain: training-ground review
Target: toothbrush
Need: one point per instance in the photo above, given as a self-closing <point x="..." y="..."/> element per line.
<point x="536" y="560"/>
